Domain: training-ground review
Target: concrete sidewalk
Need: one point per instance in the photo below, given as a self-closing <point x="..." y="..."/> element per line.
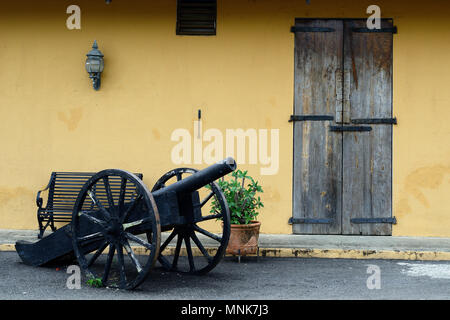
<point x="315" y="246"/>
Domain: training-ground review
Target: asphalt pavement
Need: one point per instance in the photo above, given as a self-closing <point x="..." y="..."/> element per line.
<point x="260" y="279"/>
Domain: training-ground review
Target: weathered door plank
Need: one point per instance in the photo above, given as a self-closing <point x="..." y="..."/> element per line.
<point x="317" y="178"/>
<point x="367" y="168"/>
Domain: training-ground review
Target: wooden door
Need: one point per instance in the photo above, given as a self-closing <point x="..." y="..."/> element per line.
<point x="342" y="133"/>
<point x="318" y="166"/>
<point x="367" y="168"/>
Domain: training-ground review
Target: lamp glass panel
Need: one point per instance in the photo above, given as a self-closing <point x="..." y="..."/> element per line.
<point x="94" y="65"/>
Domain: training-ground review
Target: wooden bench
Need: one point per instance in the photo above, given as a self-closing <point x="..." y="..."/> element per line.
<point x="63" y="189"/>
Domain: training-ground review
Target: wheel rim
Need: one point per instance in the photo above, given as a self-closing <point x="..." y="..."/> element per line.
<point x="195" y="248"/>
<point x="111" y="212"/>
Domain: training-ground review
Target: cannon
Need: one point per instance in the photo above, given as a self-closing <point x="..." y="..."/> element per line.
<point x="119" y="228"/>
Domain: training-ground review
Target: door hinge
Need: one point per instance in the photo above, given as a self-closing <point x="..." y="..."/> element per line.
<point x="309" y="221"/>
<point x="392" y="220"/>
<point x="381" y="30"/>
<point x="310" y="118"/>
<point x="350" y="128"/>
<point x="311" y="29"/>
<point x="375" y="121"/>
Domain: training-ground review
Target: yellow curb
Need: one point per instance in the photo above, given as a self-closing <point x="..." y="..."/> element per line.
<point x="313" y="253"/>
<point x="328" y="253"/>
<point x="7" y="247"/>
<point x="355" y="254"/>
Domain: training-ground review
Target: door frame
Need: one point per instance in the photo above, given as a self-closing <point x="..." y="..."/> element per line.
<point x="303" y="19"/>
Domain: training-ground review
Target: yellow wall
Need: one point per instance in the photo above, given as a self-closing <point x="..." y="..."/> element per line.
<point x="154" y="81"/>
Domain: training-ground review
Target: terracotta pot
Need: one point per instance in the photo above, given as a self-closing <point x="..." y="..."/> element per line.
<point x="244" y="238"/>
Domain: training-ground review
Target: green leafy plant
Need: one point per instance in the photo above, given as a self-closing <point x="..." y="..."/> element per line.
<point x="95" y="282"/>
<point x="241" y="193"/>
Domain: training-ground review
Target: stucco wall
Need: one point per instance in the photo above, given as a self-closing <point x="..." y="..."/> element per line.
<point x="154" y="82"/>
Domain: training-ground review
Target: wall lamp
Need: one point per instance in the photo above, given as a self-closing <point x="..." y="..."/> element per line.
<point x="94" y="65"/>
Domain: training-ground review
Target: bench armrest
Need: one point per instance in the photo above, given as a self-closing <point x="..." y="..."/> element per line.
<point x="39" y="200"/>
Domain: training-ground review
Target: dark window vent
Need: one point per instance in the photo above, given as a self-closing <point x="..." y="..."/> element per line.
<point x="196" y="17"/>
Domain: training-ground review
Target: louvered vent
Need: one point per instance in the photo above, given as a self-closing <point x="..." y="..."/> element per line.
<point x="196" y="17"/>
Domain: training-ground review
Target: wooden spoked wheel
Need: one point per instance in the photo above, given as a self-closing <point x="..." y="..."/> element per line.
<point x="114" y="210"/>
<point x="196" y="248"/>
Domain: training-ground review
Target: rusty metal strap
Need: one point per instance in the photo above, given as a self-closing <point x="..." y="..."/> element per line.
<point x="310" y="118"/>
<point x="375" y="121"/>
<point x="311" y="29"/>
<point x="309" y="221"/>
<point x="392" y="220"/>
<point x="350" y="128"/>
<point x="381" y="30"/>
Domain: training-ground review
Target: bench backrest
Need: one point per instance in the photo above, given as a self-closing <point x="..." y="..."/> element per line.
<point x="65" y="187"/>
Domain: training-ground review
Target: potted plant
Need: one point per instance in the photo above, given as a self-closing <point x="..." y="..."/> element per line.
<point x="241" y="192"/>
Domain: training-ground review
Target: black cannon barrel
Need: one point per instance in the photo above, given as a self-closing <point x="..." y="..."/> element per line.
<point x="201" y="178"/>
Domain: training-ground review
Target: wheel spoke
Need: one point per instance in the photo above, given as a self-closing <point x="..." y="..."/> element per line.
<point x="207" y="233"/>
<point x="91" y="236"/>
<point x="109" y="260"/>
<point x="123" y="277"/>
<point x="136" y="223"/>
<point x="177" y="252"/>
<point x="212" y="216"/>
<point x="132" y="256"/>
<point x="132" y="237"/>
<point x="172" y="235"/>
<point x="201" y="247"/>
<point x="91" y="207"/>
<point x="109" y="194"/>
<point x="106" y="214"/>
<point x="187" y="241"/>
<point x="164" y="262"/>
<point x="179" y="177"/>
<point x="92" y="219"/>
<point x="123" y="187"/>
<point x="97" y="254"/>
<point x="204" y="201"/>
<point x="130" y="208"/>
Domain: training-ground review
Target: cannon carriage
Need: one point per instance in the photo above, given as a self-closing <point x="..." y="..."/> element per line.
<point x="119" y="228"/>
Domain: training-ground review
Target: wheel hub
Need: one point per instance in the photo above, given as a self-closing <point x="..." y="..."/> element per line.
<point x="115" y="229"/>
